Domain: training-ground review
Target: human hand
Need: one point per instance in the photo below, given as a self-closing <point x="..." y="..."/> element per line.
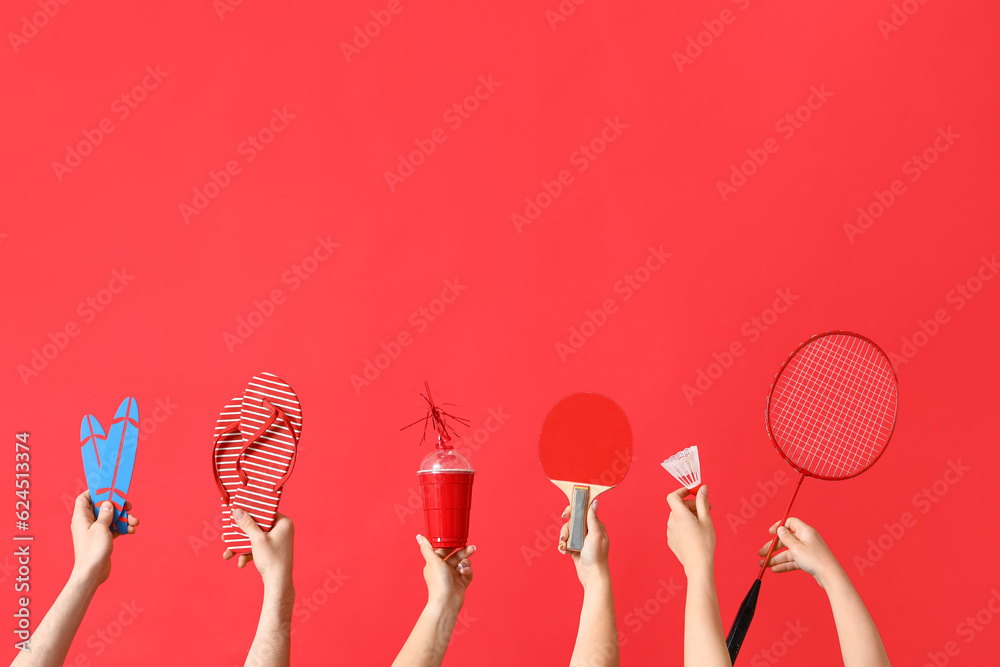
<point x="591" y="561"/>
<point x="448" y="578"/>
<point x="92" y="539"/>
<point x="690" y="531"/>
<point x="271" y="551"/>
<point x="804" y="550"/>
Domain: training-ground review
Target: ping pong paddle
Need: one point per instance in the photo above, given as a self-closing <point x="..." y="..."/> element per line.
<point x="585" y="449"/>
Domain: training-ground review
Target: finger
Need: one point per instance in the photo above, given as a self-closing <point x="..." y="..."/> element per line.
<point x="248" y="525"/>
<point x="227" y="554"/>
<point x="105" y="515"/>
<point x="128" y="506"/>
<point x="778" y="558"/>
<point x="767" y="546"/>
<point x="133" y="521"/>
<point x="465" y="568"/>
<point x="703" y="507"/>
<point x="82" y="503"/>
<point x="676" y="499"/>
<point x="566" y="512"/>
<point x="785" y="567"/>
<point x="244" y="559"/>
<point x="462" y="554"/>
<point x="797" y="525"/>
<point x="563" y="537"/>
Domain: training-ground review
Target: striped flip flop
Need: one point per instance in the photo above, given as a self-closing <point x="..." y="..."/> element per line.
<point x="228" y="443"/>
<point x="270" y="422"/>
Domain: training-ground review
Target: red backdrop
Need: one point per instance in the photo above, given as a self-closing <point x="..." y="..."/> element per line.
<point x="613" y="197"/>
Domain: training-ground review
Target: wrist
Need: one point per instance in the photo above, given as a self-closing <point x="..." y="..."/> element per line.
<point x="701" y="568"/>
<point x="279" y="583"/>
<point x="84" y="580"/>
<point x="441" y="605"/>
<point x="831" y="577"/>
<point x="599" y="578"/>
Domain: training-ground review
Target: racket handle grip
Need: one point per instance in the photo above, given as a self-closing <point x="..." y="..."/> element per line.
<point x="579" y="505"/>
<point x="741" y="623"/>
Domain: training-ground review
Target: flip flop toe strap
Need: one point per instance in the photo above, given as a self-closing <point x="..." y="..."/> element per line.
<point x="276" y="414"/>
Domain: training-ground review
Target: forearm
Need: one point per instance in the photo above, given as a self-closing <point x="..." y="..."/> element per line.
<point x="704" y="641"/>
<point x="427" y="643"/>
<point x="597" y="639"/>
<point x="860" y="643"/>
<point x="50" y="642"/>
<point x="272" y="644"/>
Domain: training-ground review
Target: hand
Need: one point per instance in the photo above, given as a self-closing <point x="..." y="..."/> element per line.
<point x="591" y="561"/>
<point x="92" y="539"/>
<point x="690" y="531"/>
<point x="271" y="551"/>
<point x="447" y="579"/>
<point x="804" y="550"/>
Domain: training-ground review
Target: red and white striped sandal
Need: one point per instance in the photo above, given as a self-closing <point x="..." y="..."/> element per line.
<point x="270" y="423"/>
<point x="228" y="444"/>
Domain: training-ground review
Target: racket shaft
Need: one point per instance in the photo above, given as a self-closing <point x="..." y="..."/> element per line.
<point x="741" y="623"/>
<point x="578" y="518"/>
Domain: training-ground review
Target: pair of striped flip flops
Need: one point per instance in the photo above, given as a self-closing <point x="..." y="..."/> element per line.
<point x="109" y="459"/>
<point x="256" y="441"/>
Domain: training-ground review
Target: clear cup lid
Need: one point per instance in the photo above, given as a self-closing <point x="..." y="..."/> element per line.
<point x="445" y="460"/>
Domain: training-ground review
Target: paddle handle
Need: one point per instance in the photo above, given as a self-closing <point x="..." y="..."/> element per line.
<point x="742" y="622"/>
<point x="579" y="504"/>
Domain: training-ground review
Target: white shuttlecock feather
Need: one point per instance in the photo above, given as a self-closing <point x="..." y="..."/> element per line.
<point x="685" y="467"/>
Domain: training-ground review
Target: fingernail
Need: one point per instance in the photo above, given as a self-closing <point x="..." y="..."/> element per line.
<point x="237" y="514"/>
<point x="595" y="504"/>
<point x="420" y="538"/>
<point x="782" y="530"/>
<point x="106" y="506"/>
<point x="472" y="548"/>
<point x="703" y="490"/>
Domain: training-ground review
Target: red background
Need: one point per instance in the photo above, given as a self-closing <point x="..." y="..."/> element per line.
<point x="162" y="337"/>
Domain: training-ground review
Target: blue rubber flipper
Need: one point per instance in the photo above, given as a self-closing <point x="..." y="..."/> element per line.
<point x="93" y="438"/>
<point x="117" y="466"/>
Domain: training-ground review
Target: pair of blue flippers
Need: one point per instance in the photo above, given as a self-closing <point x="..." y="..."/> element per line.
<point x="109" y="459"/>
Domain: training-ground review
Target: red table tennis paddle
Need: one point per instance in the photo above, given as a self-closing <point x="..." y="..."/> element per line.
<point x="585" y="449"/>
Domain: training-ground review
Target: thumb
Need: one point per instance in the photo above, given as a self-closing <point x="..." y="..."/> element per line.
<point x="105" y="515"/>
<point x="426" y="550"/>
<point x="788" y="538"/>
<point x="593" y="523"/>
<point x="247" y="524"/>
<point x="701" y="500"/>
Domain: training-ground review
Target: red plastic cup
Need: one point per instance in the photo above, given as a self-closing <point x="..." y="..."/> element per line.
<point x="447" y="502"/>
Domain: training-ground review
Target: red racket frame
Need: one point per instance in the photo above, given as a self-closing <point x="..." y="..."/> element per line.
<point x="804" y="473"/>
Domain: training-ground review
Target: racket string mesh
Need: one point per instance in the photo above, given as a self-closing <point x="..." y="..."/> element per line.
<point x="832" y="407"/>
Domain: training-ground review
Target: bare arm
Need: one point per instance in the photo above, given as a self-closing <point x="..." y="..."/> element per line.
<point x="272" y="554"/>
<point x="597" y="638"/>
<point x="691" y="536"/>
<point x="92" y="546"/>
<point x="447" y="581"/>
<point x="860" y="643"/>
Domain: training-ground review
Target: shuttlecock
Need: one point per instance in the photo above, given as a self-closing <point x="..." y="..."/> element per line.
<point x="685" y="468"/>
